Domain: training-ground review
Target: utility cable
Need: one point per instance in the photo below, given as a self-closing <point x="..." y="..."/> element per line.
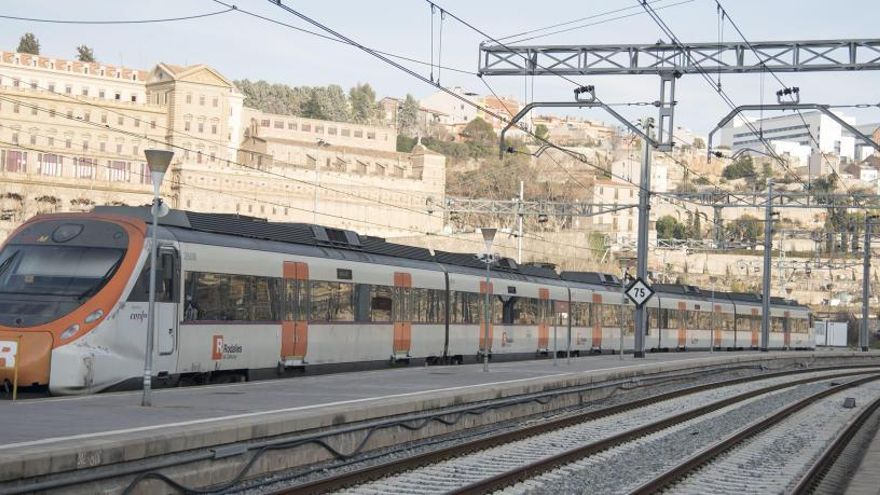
<point x="118" y="21"/>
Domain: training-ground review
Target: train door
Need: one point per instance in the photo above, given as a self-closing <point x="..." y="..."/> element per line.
<point x="717" y="327"/>
<point x="786" y="329"/>
<point x="682" y="321"/>
<point x="167" y="307"/>
<point x="544" y="315"/>
<point x="295" y="318"/>
<point x="596" y="322"/>
<point x="402" y="315"/>
<point x="754" y="325"/>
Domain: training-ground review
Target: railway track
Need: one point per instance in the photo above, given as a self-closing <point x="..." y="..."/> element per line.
<point x="773" y="455"/>
<point x="488" y="464"/>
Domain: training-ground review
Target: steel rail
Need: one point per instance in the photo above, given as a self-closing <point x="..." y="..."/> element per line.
<point x="707" y="456"/>
<point x="372" y="473"/>
<point x="820" y="468"/>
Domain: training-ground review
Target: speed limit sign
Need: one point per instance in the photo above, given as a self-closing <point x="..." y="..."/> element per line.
<point x="639" y="292"/>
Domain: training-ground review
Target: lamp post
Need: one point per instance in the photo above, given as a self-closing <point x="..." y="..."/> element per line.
<point x="488" y="237"/>
<point x="320" y="144"/>
<point x="158" y="161"/>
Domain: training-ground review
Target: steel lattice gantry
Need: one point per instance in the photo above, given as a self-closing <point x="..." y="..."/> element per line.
<point x="528" y="208"/>
<point x="776" y="56"/>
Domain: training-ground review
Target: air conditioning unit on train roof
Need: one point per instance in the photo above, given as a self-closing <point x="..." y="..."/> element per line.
<point x="336" y="237"/>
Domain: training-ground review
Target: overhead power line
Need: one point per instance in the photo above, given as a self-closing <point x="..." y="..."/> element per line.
<point x="117" y="21"/>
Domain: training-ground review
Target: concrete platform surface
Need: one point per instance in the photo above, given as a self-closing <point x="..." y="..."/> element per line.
<point x="34" y="421"/>
<point x="52" y="435"/>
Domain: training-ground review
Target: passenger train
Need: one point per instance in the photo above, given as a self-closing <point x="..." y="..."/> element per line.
<point x="240" y="298"/>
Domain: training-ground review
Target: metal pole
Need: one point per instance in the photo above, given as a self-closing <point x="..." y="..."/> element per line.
<point x="146" y="401"/>
<point x="568" y="343"/>
<point x="866" y="288"/>
<point x="622" y="304"/>
<point x="317" y="179"/>
<point x="768" y="247"/>
<point x="519" y="221"/>
<point x="486" y="345"/>
<point x="555" y="349"/>
<point x="641" y="315"/>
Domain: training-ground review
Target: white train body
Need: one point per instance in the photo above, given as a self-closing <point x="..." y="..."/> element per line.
<point x="239" y="298"/>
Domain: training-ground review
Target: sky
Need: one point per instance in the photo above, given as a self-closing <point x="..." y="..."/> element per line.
<point x="240" y="46"/>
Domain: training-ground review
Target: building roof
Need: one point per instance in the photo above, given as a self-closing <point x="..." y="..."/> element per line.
<point x="60" y="64"/>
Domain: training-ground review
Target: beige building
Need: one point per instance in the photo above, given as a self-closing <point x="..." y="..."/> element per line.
<point x="72" y="136"/>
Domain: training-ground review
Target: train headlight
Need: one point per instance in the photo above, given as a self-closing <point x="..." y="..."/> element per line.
<point x="70" y="332"/>
<point x="95" y="315"/>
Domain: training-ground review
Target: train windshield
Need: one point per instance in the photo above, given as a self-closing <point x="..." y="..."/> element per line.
<point x="41" y="283"/>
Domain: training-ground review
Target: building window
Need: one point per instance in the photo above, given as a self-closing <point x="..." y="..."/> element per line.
<point x="16" y="83"/>
<point x="68" y="143"/>
<point x="117" y="96"/>
<point x="331" y="131"/>
<point x="134" y="98"/>
<point x="371" y="135"/>
<point x="118" y="148"/>
<point x="52" y="113"/>
<point x="68" y="89"/>
<point x="202" y="100"/>
<point x="85" y="168"/>
<point x="101" y="93"/>
<point x="33" y="110"/>
<point x="33" y="139"/>
<point x="307" y="127"/>
<point x="87" y="117"/>
<point x="33" y="84"/>
<point x="118" y="171"/>
<point x="135" y="150"/>
<point x="279" y="124"/>
<point x="201" y="127"/>
<point x="137" y="122"/>
<point x="85" y="145"/>
<point x="85" y="91"/>
<point x="50" y="141"/>
<point x="358" y="134"/>
<point x="189" y="98"/>
<point x="15" y="108"/>
<point x="119" y="120"/>
<point x="346" y="133"/>
<point x="16" y="161"/>
<point x="50" y="164"/>
<point x="319" y="129"/>
<point x="102" y="146"/>
<point x="215" y="102"/>
<point x="186" y="125"/>
<point x="291" y="126"/>
<point x="103" y="118"/>
<point x="264" y="123"/>
<point x="51" y="87"/>
<point x="213" y="128"/>
<point x="152" y="124"/>
<point x="70" y="114"/>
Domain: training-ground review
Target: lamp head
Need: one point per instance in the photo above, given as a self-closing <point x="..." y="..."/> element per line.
<point x="158" y="161"/>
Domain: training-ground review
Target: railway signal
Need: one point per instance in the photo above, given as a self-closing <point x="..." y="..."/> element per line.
<point x="639" y="292"/>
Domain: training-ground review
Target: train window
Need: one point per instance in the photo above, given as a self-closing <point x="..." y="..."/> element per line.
<point x="166" y="281"/>
<point x="675" y="319"/>
<point x="465" y="307"/>
<point x="580" y="314"/>
<point x="216" y="296"/>
<point x="627" y="319"/>
<point x="332" y="301"/>
<point x="526" y="311"/>
<point x="429" y="306"/>
<point x="610" y="315"/>
<point x="725" y="321"/>
<point x="653" y="318"/>
<point x="777" y="324"/>
<point x="381" y="304"/>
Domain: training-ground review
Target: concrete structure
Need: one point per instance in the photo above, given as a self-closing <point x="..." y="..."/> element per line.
<point x="569" y="131"/>
<point x="452" y="111"/>
<point x="201" y="436"/>
<point x="72" y="136"/>
<point x="790" y="127"/>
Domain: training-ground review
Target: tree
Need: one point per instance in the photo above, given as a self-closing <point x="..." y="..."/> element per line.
<point x="670" y="228"/>
<point x="741" y="168"/>
<point x="480" y="131"/>
<point x="699" y="143"/>
<point x="408" y="117"/>
<point x="745" y="229"/>
<point x="29" y="44"/>
<point x="541" y="132"/>
<point x="327" y="103"/>
<point x="363" y="104"/>
<point x="85" y="54"/>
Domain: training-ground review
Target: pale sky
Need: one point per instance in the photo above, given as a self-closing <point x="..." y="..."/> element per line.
<point x="240" y="46"/>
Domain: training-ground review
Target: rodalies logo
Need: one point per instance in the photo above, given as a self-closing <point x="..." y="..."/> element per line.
<point x="224" y="351"/>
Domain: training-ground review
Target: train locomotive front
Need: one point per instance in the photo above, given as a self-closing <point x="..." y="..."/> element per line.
<point x="62" y="278"/>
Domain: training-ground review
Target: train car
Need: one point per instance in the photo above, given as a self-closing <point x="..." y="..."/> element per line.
<point x="690" y="318"/>
<point x="523" y="302"/>
<point x="598" y="312"/>
<point x="239" y="298"/>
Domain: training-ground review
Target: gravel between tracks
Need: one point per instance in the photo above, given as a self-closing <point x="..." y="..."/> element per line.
<point x="459" y="472"/>
<point x="624" y="468"/>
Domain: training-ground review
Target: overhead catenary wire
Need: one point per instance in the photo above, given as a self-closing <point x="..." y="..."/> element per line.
<point x="307" y="210"/>
<point x="117" y="21"/>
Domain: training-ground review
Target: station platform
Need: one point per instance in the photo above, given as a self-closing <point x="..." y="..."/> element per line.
<point x="43" y="437"/>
